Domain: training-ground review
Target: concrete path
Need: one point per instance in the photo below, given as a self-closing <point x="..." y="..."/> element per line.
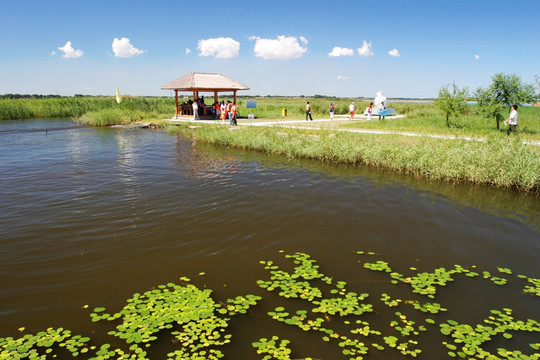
<point x="297" y="124"/>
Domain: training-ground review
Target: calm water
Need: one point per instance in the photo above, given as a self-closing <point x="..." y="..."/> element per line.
<point x="91" y="216"/>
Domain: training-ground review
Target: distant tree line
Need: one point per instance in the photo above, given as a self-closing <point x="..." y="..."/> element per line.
<point x="29" y="96"/>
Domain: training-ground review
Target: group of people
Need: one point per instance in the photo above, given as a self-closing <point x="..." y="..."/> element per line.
<point x="227" y="111"/>
<point x="223" y="110"/>
<point x="352" y="109"/>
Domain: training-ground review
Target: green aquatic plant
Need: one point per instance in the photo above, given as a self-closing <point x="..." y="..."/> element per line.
<point x="468" y="341"/>
<point x="273" y="348"/>
<point x="388" y="301"/>
<point x="533" y="287"/>
<point x="169" y="306"/>
<point x="44" y="344"/>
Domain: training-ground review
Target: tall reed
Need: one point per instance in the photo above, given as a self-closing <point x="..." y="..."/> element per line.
<point x="499" y="162"/>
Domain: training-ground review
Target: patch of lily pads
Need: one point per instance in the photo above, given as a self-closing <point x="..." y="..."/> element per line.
<point x="186" y="314"/>
<point x="330" y="300"/>
<point x="198" y="326"/>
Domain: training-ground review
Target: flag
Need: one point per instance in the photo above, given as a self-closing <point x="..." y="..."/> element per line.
<point x="118" y="97"/>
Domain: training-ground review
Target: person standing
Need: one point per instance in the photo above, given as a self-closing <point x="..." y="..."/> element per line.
<point x="195" y="109"/>
<point x="351" y="110"/>
<point x="223" y="110"/>
<point x="332" y="110"/>
<point x="229" y="111"/>
<point x="382" y="107"/>
<point x="512" y="121"/>
<point x="308" y="111"/>
<point x="369" y="111"/>
<point x="234" y="111"/>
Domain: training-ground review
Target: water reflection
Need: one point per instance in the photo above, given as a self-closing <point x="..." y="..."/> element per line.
<point x="91" y="216"/>
<point x="501" y="202"/>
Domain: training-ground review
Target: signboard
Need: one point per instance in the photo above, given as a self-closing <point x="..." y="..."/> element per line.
<point x="251" y="104"/>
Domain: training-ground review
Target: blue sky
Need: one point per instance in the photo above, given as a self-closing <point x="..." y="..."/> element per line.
<point x="337" y="48"/>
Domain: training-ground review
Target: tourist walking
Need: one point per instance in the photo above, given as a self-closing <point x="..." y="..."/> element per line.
<point x="351" y="110"/>
<point x="369" y="111"/>
<point x="332" y="110"/>
<point x="223" y="110"/>
<point x="195" y="109"/>
<point x="512" y="121"/>
<point x="382" y="107"/>
<point x="308" y="111"/>
<point x="228" y="109"/>
<point x="234" y="111"/>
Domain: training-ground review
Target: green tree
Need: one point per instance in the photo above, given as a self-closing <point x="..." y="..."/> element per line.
<point x="505" y="89"/>
<point x="488" y="106"/>
<point x="510" y="89"/>
<point x="451" y="103"/>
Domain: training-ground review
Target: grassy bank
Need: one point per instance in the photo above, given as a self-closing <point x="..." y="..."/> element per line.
<point x="498" y="162"/>
<point x="420" y="117"/>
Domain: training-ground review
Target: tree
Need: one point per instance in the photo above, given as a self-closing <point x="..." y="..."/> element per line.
<point x="489" y="106"/>
<point x="505" y="89"/>
<point x="451" y="103"/>
<point x="510" y="89"/>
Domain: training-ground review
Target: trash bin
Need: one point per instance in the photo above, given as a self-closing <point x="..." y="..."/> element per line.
<point x="283" y="112"/>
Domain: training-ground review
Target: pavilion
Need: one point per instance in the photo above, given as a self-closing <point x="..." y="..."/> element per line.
<point x="202" y="82"/>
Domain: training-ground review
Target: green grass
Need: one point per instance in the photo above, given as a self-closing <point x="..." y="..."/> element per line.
<point x="499" y="162"/>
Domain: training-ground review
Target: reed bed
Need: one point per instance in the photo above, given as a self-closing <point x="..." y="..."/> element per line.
<point x="499" y="162"/>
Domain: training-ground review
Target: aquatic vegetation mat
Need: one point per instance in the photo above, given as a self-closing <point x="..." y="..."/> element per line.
<point x="355" y="323"/>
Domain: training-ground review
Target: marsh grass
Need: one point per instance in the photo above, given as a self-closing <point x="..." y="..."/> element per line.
<point x="75" y="107"/>
<point x="499" y="162"/>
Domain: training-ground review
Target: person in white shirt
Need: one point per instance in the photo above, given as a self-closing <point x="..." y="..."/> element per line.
<point x="351" y="109"/>
<point x="381" y="108"/>
<point x="512" y="121"/>
<point x="195" y="110"/>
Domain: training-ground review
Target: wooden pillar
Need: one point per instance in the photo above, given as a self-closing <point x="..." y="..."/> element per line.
<point x="176" y="103"/>
<point x="215" y="96"/>
<point x="235" y="96"/>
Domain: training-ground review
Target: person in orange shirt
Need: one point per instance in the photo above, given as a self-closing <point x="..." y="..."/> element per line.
<point x="228" y="109"/>
<point x="234" y="111"/>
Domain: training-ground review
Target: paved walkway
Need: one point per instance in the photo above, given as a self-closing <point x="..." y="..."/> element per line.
<point x="297" y="124"/>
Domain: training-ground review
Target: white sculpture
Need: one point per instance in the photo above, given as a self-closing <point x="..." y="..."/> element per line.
<point x="379" y="99"/>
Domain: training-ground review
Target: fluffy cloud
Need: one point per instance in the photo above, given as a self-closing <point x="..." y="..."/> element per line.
<point x="394" y="52"/>
<point x="365" y="50"/>
<point x="221" y="48"/>
<point x="123" y="49"/>
<point x="69" y="52"/>
<point x="339" y="51"/>
<point x="341" y="77"/>
<point x="188" y="51"/>
<point x="476" y="57"/>
<point x="282" y="48"/>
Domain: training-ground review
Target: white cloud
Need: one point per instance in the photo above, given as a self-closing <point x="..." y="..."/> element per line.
<point x="220" y="48"/>
<point x="282" y="48"/>
<point x="365" y="50"/>
<point x="122" y="48"/>
<point x="53" y="53"/>
<point x="188" y="51"/>
<point x="394" y="52"/>
<point x="69" y="52"/>
<point x="339" y="51"/>
<point x="341" y="77"/>
<point x="476" y="57"/>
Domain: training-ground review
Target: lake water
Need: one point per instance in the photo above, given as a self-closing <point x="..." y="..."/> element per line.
<point x="90" y="216"/>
